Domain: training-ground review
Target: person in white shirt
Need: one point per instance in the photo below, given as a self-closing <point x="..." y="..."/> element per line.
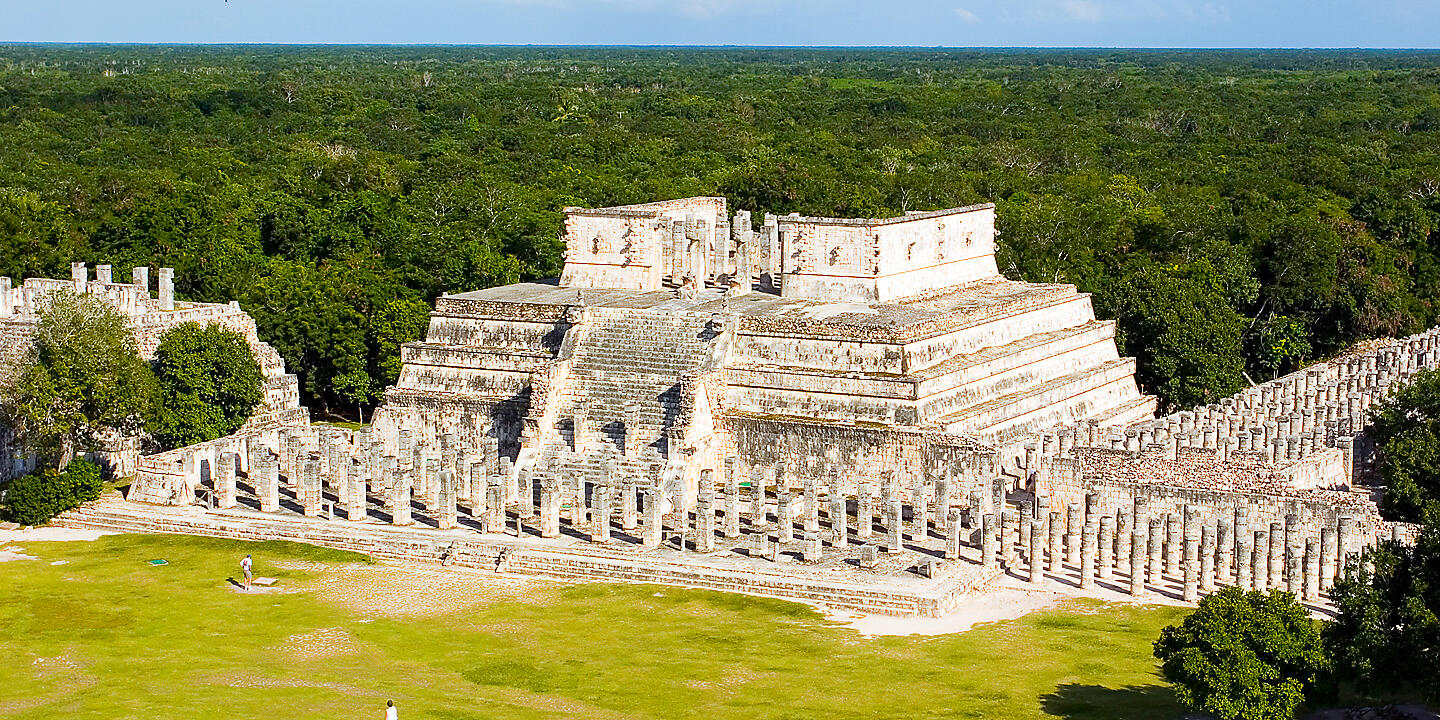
<point x="245" y="566"/>
<point x="390" y="712"/>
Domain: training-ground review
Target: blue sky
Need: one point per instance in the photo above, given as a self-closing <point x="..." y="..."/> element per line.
<point x="1120" y="23"/>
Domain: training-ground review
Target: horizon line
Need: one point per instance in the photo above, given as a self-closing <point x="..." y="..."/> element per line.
<point x="621" y="46"/>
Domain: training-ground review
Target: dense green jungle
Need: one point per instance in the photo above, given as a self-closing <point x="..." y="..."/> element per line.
<point x="1238" y="213"/>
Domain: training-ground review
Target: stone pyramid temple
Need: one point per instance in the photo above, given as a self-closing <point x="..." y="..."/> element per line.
<point x="681" y="339"/>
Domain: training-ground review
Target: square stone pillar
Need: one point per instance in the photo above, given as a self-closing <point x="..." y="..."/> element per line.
<point x="79" y="276"/>
<point x="1260" y="561"/>
<point x="224" y="473"/>
<point x="811" y="507"/>
<point x="167" y="289"/>
<point x="269" y="485"/>
<point x="757" y="498"/>
<point x="355" y="478"/>
<point x="1037" y="550"/>
<point x="895" y="527"/>
<point x="652" y="529"/>
<point x="400" y="499"/>
<point x="839" y="519"/>
<point x="784" y="518"/>
<point x="311" y="493"/>
<point x="988" y="550"/>
<point x="1138" y="552"/>
<point x="446" y="518"/>
<point x="549" y="509"/>
<point x="952" y="534"/>
<point x="629" y="507"/>
<point x="140" y="277"/>
<point x="479" y="486"/>
<point x="705" y="521"/>
<point x="600" y="525"/>
<point x="864" y="511"/>
<point x="102" y="275"/>
<point x="495" y="505"/>
<point x="1208" y="542"/>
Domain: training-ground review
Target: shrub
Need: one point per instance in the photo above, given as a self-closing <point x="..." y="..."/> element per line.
<point x="41" y="495"/>
<point x="209" y="384"/>
<point x="1248" y="655"/>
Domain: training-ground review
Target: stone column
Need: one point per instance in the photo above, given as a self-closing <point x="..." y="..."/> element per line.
<point x="1172" y="544"/>
<point x="1055" y="535"/>
<point x="224" y="474"/>
<point x="895" y="528"/>
<point x="356" y="510"/>
<point x="651" y="536"/>
<point x="839" y="519"/>
<point x="1276" y="571"/>
<point x="1224" y="545"/>
<point x="952" y="534"/>
<point x="1260" y="557"/>
<point x="400" y="500"/>
<point x="810" y="506"/>
<point x="1138" y="552"/>
<point x="1326" y="574"/>
<point x="269" y="488"/>
<point x="919" y="509"/>
<point x="864" y="511"/>
<point x="495" y="505"/>
<point x="1190" y="592"/>
<point x="1207" y="558"/>
<point x="1037" y="550"/>
<point x="478" y="490"/>
<point x="167" y="289"/>
<point x="1007" y="545"/>
<point x="988" y="553"/>
<point x="549" y="509"/>
<point x="1344" y="527"/>
<point x="1293" y="582"/>
<point x="757" y="498"/>
<point x="1087" y="554"/>
<point x="629" y="507"/>
<point x="140" y="276"/>
<point x="784" y="518"/>
<point x="310" y="488"/>
<point x="446" y="518"/>
<point x="1156" y="550"/>
<point x="1244" y="561"/>
<point x="600" y="524"/>
<point x="1107" y="546"/>
<point x="1072" y="534"/>
<point x="732" y="508"/>
<point x="1122" y="538"/>
<point x="7" y="302"/>
<point x="1312" y="570"/>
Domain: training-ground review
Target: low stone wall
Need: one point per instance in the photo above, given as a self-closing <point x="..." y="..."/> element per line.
<point x="939" y="597"/>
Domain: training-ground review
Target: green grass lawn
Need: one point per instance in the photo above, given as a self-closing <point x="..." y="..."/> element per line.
<point x="106" y="635"/>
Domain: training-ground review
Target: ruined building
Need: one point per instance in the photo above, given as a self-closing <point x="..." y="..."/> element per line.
<point x="679" y="336"/>
<point x="149" y="316"/>
<point x="859" y="413"/>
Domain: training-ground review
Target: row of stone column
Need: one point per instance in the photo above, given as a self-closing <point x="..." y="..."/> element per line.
<point x="1197" y="552"/>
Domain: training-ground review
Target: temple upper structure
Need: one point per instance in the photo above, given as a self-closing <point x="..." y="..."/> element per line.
<point x="679" y="335"/>
<point x="651" y="246"/>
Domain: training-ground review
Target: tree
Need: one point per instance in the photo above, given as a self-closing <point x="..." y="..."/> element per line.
<point x="1386" y="636"/>
<point x="1249" y="655"/>
<point x="47" y="492"/>
<point x="1183" y="332"/>
<point x="209" y="384"/>
<point x="81" y="381"/>
<point x="1406" y="429"/>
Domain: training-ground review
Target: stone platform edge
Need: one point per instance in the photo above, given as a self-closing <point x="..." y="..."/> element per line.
<point x="525" y="560"/>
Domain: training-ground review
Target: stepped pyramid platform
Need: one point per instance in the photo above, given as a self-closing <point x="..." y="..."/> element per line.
<point x="680" y="339"/>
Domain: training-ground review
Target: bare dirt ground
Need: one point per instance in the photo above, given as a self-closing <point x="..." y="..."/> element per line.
<point x="415" y="590"/>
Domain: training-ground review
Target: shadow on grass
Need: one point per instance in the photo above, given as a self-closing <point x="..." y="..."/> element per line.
<point x="1134" y="702"/>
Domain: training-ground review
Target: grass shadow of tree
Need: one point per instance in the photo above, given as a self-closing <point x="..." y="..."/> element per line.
<point x="1135" y="702"/>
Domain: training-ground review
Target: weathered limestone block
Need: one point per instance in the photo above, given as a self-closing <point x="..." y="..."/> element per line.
<point x="988" y="550"/>
<point x="1107" y="546"/>
<point x="225" y="480"/>
<point x="445" y="519"/>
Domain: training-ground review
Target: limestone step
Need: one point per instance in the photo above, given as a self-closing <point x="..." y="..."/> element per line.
<point x="1065" y="395"/>
<point x="921" y="398"/>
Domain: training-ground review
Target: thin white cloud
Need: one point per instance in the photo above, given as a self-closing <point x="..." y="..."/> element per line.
<point x="1081" y="10"/>
<point x="966" y="15"/>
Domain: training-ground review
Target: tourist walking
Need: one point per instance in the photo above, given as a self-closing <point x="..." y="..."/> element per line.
<point x="245" y="566"/>
<point x="390" y="712"/>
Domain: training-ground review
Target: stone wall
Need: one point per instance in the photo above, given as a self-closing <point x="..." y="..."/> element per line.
<point x="150" y="317"/>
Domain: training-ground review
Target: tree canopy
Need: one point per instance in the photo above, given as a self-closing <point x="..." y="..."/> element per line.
<point x="1405" y="428"/>
<point x="1243" y="655"/>
<point x="81" y="380"/>
<point x="335" y="192"/>
<point x="209" y="383"/>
